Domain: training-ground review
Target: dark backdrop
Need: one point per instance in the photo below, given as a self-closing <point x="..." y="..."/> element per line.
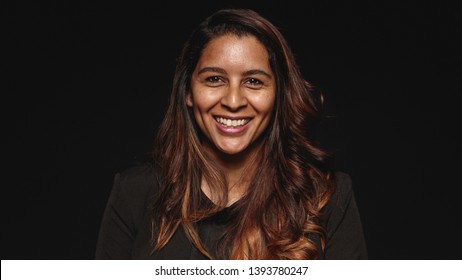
<point x="87" y="83"/>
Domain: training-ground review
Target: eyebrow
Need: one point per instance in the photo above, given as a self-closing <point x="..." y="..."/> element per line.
<point x="246" y="73"/>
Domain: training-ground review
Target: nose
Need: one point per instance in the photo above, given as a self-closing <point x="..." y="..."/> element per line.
<point x="234" y="98"/>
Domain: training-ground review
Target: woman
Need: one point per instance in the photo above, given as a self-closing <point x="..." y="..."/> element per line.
<point x="236" y="173"/>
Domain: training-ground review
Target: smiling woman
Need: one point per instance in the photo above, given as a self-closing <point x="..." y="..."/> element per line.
<point x="232" y="92"/>
<point x="232" y="97"/>
<point x="236" y="173"/>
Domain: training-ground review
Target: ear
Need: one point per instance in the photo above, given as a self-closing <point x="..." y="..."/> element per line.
<point x="189" y="101"/>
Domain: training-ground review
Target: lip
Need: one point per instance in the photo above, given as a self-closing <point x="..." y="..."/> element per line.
<point x="226" y="130"/>
<point x="232" y="117"/>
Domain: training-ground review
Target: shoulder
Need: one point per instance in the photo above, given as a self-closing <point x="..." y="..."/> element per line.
<point x="342" y="220"/>
<point x="340" y="199"/>
<point x="135" y="185"/>
<point x="344" y="187"/>
<point x="138" y="177"/>
<point x="129" y="202"/>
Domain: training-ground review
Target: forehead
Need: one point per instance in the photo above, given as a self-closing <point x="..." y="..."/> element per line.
<point x="233" y="50"/>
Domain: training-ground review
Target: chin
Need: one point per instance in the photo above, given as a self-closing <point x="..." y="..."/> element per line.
<point x="232" y="151"/>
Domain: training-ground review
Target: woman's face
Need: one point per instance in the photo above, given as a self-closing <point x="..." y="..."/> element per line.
<point x="232" y="92"/>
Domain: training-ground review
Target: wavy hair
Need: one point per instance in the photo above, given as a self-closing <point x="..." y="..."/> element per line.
<point x="279" y="217"/>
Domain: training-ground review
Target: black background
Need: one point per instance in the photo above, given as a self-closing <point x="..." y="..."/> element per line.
<point x="87" y="83"/>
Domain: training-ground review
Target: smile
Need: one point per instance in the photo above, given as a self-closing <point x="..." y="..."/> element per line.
<point x="232" y="123"/>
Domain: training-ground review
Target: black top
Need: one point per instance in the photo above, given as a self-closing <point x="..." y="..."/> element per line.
<point x="125" y="231"/>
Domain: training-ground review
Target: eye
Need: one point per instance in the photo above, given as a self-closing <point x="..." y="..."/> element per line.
<point x="254" y="83"/>
<point x="213" y="79"/>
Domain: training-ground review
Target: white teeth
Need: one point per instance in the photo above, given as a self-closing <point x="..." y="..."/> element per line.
<point x="231" y="123"/>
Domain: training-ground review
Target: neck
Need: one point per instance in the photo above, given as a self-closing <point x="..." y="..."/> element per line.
<point x="238" y="169"/>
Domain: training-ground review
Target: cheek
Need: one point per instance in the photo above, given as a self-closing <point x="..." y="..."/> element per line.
<point x="199" y="104"/>
<point x="203" y="101"/>
<point x="264" y="104"/>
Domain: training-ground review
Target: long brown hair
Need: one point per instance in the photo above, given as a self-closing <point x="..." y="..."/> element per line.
<point x="280" y="214"/>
